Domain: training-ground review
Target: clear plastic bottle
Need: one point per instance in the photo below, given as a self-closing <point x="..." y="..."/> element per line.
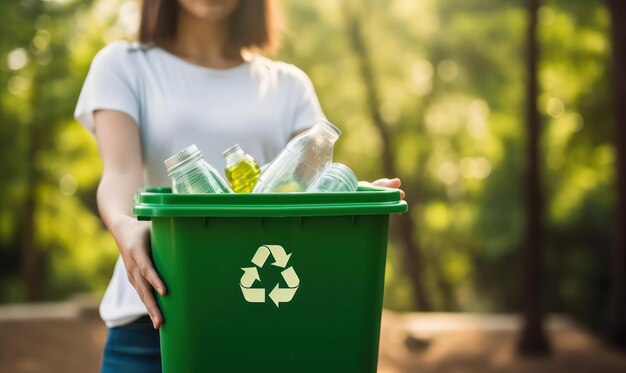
<point x="242" y="171"/>
<point x="301" y="162"/>
<point x="191" y="174"/>
<point x="337" y="178"/>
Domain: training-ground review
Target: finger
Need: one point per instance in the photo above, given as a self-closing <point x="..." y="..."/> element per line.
<point x="145" y="294"/>
<point x="394" y="183"/>
<point x="388" y="183"/>
<point x="147" y="271"/>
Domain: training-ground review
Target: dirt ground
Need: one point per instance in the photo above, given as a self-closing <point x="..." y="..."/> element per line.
<point x="485" y="343"/>
<point x="69" y="340"/>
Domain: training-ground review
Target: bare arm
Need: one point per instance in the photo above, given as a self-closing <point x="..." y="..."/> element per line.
<point x="120" y="148"/>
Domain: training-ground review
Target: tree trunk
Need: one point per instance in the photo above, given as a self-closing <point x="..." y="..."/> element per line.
<point x="33" y="258"/>
<point x="616" y="325"/>
<point x="533" y="340"/>
<point x="404" y="225"/>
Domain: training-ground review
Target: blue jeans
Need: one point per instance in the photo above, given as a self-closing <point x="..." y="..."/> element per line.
<point x="132" y="348"/>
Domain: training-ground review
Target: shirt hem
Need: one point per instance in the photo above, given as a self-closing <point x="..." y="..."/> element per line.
<point x="122" y="320"/>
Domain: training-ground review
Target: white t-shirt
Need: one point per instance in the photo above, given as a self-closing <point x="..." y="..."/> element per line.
<point x="258" y="105"/>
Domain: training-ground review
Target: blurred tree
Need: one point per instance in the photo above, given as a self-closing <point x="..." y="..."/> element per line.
<point x="616" y="328"/>
<point x="404" y="225"/>
<point x="51" y="239"/>
<point x="443" y="81"/>
<point x="575" y="101"/>
<point x="32" y="257"/>
<point x="533" y="339"/>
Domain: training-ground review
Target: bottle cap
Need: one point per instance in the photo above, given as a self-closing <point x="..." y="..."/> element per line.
<point x="180" y="157"/>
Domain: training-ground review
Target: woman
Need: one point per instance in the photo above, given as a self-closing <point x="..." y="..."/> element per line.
<point x="193" y="77"/>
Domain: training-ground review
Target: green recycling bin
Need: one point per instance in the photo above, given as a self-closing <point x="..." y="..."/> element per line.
<point x="270" y="282"/>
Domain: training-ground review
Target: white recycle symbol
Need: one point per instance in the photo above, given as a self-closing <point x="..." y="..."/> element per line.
<point x="251" y="274"/>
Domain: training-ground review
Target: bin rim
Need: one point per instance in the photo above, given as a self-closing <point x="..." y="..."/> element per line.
<point x="368" y="200"/>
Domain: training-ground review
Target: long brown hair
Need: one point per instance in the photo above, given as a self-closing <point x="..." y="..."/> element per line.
<point x="254" y="24"/>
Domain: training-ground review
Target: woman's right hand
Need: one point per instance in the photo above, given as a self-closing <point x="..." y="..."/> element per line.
<point x="133" y="240"/>
<point x="120" y="148"/>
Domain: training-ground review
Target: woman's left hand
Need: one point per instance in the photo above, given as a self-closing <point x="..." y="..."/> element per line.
<point x="390" y="183"/>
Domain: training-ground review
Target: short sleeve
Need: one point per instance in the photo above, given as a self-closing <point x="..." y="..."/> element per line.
<point x="109" y="85"/>
<point x="307" y="110"/>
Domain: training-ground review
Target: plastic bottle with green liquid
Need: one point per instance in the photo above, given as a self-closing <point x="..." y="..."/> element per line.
<point x="242" y="171"/>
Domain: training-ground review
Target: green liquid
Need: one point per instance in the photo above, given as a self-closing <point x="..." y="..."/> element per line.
<point x="244" y="175"/>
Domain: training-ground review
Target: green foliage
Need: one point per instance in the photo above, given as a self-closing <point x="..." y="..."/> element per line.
<point x="451" y="86"/>
<point x="47" y="154"/>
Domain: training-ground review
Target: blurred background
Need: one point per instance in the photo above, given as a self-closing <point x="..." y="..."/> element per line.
<point x="500" y="117"/>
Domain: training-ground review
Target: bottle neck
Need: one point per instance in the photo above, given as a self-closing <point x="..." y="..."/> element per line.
<point x="234" y="156"/>
<point x="325" y="130"/>
<point x="319" y="132"/>
<point x="185" y="166"/>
